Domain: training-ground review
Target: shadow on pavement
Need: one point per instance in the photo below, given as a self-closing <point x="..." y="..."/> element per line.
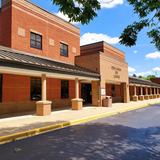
<point x="95" y="141"/>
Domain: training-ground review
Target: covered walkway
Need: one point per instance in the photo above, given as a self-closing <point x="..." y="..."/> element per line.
<point x="143" y="89"/>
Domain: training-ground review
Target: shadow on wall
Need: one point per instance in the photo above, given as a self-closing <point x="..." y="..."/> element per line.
<point x="95" y="141"/>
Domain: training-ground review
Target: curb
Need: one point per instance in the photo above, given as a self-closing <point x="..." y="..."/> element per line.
<point x="37" y="131"/>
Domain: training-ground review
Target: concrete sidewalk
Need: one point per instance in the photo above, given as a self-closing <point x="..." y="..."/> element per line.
<point x="14" y="128"/>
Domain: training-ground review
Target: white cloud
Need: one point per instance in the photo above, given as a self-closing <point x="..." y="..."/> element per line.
<point x="131" y="69"/>
<point x="65" y="17"/>
<point x="144" y="74"/>
<point x="110" y="3"/>
<point x="156" y="69"/>
<point x="103" y="3"/>
<point x="153" y="55"/>
<point x="88" y="38"/>
<point x="153" y="71"/>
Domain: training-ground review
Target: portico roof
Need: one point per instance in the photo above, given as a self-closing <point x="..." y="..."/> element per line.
<point x="139" y="81"/>
<point x="16" y="59"/>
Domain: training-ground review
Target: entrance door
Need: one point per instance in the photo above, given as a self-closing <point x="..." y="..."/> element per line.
<point x="86" y="95"/>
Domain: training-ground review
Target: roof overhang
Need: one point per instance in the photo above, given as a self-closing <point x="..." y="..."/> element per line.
<point x="38" y="73"/>
<point x="14" y="62"/>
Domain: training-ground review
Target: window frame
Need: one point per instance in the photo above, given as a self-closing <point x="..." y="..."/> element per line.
<point x="35" y="40"/>
<point x="62" y="50"/>
<point x="35" y="84"/>
<point x="64" y="89"/>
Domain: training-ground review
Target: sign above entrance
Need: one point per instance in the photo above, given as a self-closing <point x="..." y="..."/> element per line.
<point x="116" y="71"/>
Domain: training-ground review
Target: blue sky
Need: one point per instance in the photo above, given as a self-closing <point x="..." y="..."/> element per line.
<point x="143" y="59"/>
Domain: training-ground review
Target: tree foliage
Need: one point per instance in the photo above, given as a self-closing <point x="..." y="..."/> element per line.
<point x="78" y="10"/>
<point x="84" y="11"/>
<point x="149" y="16"/>
<point x="149" y="77"/>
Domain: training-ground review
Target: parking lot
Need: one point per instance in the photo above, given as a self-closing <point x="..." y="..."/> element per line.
<point x="134" y="135"/>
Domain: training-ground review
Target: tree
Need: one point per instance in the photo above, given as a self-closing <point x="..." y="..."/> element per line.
<point x="134" y="75"/>
<point x="84" y="11"/>
<point x="149" y="16"/>
<point x="149" y="77"/>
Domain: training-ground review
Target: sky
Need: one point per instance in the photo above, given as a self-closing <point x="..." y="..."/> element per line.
<point x="143" y="59"/>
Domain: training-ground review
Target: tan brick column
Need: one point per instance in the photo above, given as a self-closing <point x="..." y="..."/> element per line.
<point x="154" y="90"/>
<point x="44" y="88"/>
<point x="43" y="107"/>
<point x="77" y="103"/>
<point x="141" y="90"/>
<point x="141" y="97"/>
<point x="125" y="87"/>
<point x="146" y="95"/>
<point x="77" y="88"/>
<point x="146" y="90"/>
<point x="135" y="97"/>
<point x="151" y="96"/>
<point x="135" y="90"/>
<point x="154" y="94"/>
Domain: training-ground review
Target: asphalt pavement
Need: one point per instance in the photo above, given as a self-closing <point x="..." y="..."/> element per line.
<point x="134" y="135"/>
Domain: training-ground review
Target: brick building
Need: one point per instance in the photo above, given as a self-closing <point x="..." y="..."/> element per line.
<point x="155" y="80"/>
<point x="42" y="64"/>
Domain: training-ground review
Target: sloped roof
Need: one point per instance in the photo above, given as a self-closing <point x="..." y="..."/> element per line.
<point x="134" y="80"/>
<point x="15" y="59"/>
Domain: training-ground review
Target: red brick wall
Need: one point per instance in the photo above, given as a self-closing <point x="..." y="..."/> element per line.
<point x="156" y="80"/>
<point x="91" y="62"/>
<point x="5" y="26"/>
<point x="48" y="29"/>
<point x="54" y="89"/>
<point x="18" y="15"/>
<point x="102" y="47"/>
<point x="92" y="48"/>
<point x="15" y="88"/>
<point x="72" y="89"/>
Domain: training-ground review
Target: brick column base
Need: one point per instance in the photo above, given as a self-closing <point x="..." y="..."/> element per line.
<point x="77" y="104"/>
<point x="146" y="97"/>
<point x="135" y="98"/>
<point x="154" y="96"/>
<point x="141" y="97"/>
<point x="158" y="96"/>
<point x="43" y="108"/>
<point x="151" y="96"/>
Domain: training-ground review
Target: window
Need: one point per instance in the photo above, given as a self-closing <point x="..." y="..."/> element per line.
<point x="1" y="88"/>
<point x="64" y="49"/>
<point x="64" y="89"/>
<point x="35" y="88"/>
<point x="35" y="40"/>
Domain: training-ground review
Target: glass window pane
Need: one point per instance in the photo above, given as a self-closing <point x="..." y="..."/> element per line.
<point x="33" y="37"/>
<point x="33" y="43"/>
<point x="64" y="49"/>
<point x="64" y="89"/>
<point x="36" y="41"/>
<point x="38" y="45"/>
<point x="38" y="38"/>
<point x="35" y="88"/>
